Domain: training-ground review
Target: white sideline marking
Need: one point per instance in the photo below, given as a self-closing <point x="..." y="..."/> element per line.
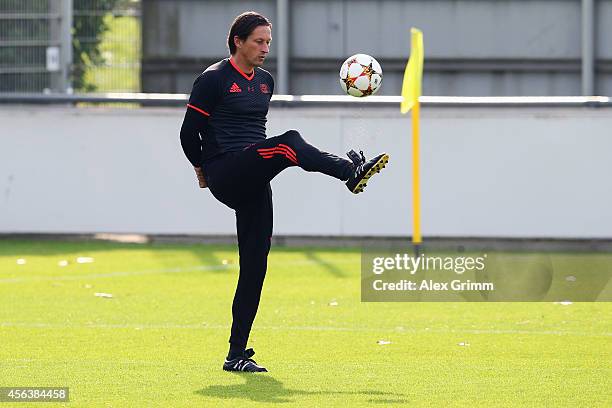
<point x="156" y="271"/>
<point x="298" y="328"/>
<point x="115" y="274"/>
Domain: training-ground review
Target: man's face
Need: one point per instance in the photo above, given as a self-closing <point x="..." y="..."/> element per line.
<point x="256" y="47"/>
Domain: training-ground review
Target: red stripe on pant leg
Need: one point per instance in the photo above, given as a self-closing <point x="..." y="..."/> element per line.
<point x="282" y="146"/>
<point x="277" y="150"/>
<point x="282" y="149"/>
<point x="261" y="149"/>
<point x="289" y="148"/>
<point x="269" y="155"/>
<point x="291" y="159"/>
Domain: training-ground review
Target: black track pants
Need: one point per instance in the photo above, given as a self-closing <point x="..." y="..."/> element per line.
<point x="241" y="180"/>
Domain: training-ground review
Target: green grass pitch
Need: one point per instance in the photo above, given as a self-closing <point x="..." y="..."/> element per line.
<point x="161" y="339"/>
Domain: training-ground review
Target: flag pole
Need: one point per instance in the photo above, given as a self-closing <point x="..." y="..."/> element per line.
<point x="416" y="192"/>
<point x="411" y="90"/>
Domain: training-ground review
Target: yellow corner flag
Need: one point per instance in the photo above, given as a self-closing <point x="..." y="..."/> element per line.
<point x="413" y="75"/>
<point x="411" y="90"/>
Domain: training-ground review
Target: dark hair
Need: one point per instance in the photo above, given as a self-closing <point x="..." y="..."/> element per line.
<point x="243" y="26"/>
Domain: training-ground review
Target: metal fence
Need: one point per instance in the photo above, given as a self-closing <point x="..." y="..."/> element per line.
<point x="25" y="36"/>
<point x="107" y="38"/>
<point x="69" y="45"/>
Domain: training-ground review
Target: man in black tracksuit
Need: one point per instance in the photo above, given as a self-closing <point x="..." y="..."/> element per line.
<point x="224" y="137"/>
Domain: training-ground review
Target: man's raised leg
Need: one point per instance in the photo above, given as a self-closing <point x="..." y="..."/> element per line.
<point x="275" y="154"/>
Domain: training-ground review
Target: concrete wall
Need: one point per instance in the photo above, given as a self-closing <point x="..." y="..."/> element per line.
<point x="486" y="172"/>
<point x="472" y="47"/>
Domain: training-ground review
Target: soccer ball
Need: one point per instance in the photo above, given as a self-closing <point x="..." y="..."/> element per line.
<point x="360" y="75"/>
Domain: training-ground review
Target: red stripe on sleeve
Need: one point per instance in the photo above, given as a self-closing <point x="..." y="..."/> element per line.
<point x="198" y="109"/>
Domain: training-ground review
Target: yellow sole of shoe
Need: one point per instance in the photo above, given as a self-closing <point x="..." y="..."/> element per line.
<point x="376" y="168"/>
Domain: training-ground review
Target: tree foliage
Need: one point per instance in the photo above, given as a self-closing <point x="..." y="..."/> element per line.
<point x="87" y="32"/>
<point x="88" y="28"/>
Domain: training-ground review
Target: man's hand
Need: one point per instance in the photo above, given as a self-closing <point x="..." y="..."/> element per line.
<point x="200" y="175"/>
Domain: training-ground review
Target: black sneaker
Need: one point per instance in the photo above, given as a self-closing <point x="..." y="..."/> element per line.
<point x="244" y="363"/>
<point x="364" y="170"/>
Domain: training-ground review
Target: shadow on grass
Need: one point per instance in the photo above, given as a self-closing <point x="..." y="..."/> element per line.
<point x="165" y="254"/>
<point x="264" y="388"/>
<point x="328" y="266"/>
<point x="206" y="255"/>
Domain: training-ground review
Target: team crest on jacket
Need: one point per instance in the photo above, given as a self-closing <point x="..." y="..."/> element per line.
<point x="264" y="88"/>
